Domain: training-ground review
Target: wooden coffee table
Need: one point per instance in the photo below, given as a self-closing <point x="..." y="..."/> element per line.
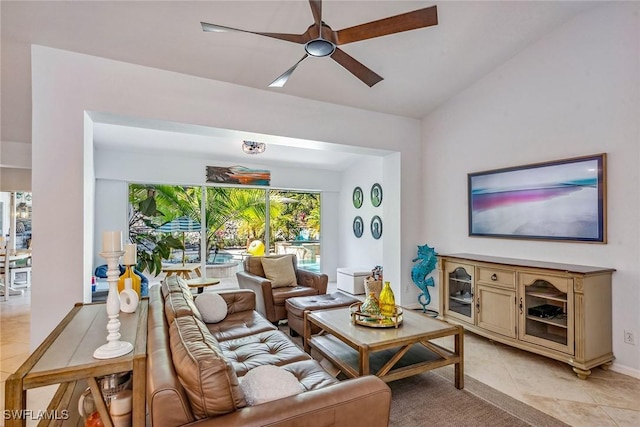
<point x="389" y="353"/>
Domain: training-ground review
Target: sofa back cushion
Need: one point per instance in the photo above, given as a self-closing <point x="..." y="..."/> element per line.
<point x="173" y="283"/>
<point x="167" y="401"/>
<point x="207" y="376"/>
<point x="178" y="299"/>
<point x="179" y="304"/>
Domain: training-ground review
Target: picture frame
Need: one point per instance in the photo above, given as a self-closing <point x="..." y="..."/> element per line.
<point x="376" y="227"/>
<point x="376" y="195"/>
<point x="357" y="197"/>
<point x="358" y="226"/>
<point x="238" y="175"/>
<point x="563" y="200"/>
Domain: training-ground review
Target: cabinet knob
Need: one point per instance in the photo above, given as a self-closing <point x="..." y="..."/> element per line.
<point x="494" y="277"/>
<point x="520" y="305"/>
<point x="478" y="304"/>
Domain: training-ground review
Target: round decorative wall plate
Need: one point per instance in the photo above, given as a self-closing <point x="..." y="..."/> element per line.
<point x="376" y="194"/>
<point x="376" y="227"/>
<point x="358" y="226"/>
<point x="357" y="197"/>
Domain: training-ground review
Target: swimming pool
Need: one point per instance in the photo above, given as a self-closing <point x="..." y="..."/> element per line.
<point x="221" y="258"/>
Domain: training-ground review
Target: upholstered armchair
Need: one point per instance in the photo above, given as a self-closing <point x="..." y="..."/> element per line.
<point x="275" y="278"/>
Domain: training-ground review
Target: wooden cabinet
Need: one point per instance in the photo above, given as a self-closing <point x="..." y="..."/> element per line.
<point x="560" y="311"/>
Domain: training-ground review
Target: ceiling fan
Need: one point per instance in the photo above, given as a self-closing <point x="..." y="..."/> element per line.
<point x="320" y="40"/>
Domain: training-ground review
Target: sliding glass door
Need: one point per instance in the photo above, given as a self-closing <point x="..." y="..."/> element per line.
<point x="297" y="229"/>
<point x="218" y="224"/>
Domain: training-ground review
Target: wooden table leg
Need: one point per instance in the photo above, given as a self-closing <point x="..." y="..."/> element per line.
<point x="363" y="361"/>
<point x="459" y="350"/>
<point x="306" y="332"/>
<point x="15" y="403"/>
<point x="99" y="401"/>
<point x="139" y="391"/>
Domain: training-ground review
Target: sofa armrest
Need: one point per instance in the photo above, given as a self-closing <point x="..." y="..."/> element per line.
<point x="313" y="280"/>
<point x="359" y="401"/>
<point x="238" y="300"/>
<point x="262" y="289"/>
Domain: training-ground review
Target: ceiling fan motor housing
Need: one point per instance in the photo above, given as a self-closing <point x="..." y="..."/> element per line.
<point x="319" y="48"/>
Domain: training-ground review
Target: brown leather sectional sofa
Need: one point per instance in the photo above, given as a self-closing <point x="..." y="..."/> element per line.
<point x="193" y="369"/>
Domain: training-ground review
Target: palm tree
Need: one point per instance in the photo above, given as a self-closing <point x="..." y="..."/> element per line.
<point x="300" y="211"/>
<point x="224" y="205"/>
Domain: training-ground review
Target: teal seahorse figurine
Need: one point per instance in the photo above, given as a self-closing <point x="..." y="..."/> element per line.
<point x="426" y="264"/>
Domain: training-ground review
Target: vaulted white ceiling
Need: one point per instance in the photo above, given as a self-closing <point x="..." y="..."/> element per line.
<point x="421" y="68"/>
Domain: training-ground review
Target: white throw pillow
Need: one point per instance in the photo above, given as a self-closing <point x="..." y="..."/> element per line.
<point x="267" y="382"/>
<point x="279" y="271"/>
<point x="212" y="307"/>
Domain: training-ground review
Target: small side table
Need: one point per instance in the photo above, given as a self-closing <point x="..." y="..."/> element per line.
<point x="201" y="282"/>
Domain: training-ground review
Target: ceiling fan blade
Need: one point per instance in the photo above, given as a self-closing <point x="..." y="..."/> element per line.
<point x="356" y="68"/>
<point x="395" y="24"/>
<point x="316" y="9"/>
<point x="280" y="81"/>
<point x="294" y="38"/>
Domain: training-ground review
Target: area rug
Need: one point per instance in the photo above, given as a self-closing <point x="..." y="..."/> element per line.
<point x="430" y="399"/>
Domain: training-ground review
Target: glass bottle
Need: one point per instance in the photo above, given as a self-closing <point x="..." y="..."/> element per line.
<point x="370" y="305"/>
<point x="88" y="410"/>
<point x="387" y="301"/>
<point x="129" y="273"/>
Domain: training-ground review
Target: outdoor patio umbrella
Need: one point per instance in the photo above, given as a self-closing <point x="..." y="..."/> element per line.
<point x="183" y="225"/>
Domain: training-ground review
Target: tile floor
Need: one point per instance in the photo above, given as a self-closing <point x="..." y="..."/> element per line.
<point x="607" y="398"/>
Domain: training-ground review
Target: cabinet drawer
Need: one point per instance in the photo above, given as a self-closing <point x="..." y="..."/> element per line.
<point x="502" y="278"/>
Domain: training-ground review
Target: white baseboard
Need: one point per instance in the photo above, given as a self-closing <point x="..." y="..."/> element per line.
<point x="625" y="370"/>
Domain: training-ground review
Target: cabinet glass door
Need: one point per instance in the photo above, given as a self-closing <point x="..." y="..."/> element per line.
<point x="460" y="300"/>
<point x="546" y="317"/>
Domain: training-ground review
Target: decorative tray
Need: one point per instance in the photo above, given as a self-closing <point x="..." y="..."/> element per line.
<point x="375" y="320"/>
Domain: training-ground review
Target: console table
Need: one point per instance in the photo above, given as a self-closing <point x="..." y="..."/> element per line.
<point x="65" y="357"/>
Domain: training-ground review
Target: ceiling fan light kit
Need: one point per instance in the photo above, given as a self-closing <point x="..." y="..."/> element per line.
<point x="320" y="40"/>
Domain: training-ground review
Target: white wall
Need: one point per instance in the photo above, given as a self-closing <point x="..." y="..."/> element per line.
<point x="330" y="206"/>
<point x="15" y="166"/>
<point x="65" y="85"/>
<point x="15" y="179"/>
<point x="364" y="252"/>
<point x="15" y="154"/>
<point x="576" y="92"/>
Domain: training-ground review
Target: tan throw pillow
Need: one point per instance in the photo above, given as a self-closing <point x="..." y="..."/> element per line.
<point x="279" y="271"/>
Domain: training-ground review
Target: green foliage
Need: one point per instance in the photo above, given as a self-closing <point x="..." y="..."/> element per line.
<point x="152" y="247"/>
<point x="300" y="211"/>
<point x="234" y="216"/>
